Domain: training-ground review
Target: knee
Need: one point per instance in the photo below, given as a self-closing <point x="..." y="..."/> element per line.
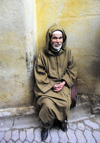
<point x="48" y="103"/>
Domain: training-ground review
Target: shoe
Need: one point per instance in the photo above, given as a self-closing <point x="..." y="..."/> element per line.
<point x="44" y="134"/>
<point x="64" y="126"/>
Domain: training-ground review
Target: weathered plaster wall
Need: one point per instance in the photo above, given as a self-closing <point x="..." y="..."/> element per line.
<point x="16" y="52"/>
<point x="81" y="21"/>
<point x="23" y="29"/>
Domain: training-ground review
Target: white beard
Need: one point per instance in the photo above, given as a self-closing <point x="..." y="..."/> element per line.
<point x="56" y="49"/>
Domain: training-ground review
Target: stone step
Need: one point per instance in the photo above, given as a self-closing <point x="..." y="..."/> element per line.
<point x="26" y="117"/>
<point x="80" y="112"/>
<point x="20" y="111"/>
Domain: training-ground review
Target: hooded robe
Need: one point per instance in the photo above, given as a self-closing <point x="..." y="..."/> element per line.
<point x="51" y="68"/>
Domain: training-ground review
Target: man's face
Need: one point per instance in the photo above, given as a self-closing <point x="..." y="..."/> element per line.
<point x="57" y="40"/>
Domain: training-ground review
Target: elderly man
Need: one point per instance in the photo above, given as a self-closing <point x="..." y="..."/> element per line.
<point x="55" y="73"/>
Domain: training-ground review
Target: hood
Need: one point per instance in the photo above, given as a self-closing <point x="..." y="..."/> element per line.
<point x="53" y="28"/>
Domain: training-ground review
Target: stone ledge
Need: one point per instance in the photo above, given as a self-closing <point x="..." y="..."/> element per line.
<point x="80" y="112"/>
<point x="20" y="111"/>
<point x="81" y="99"/>
<point x="94" y="100"/>
<point x="26" y="117"/>
<point x="95" y="110"/>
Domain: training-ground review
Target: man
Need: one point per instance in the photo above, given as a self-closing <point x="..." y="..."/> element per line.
<point x="55" y="73"/>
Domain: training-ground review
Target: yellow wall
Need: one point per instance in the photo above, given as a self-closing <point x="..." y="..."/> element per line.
<point x="81" y="21"/>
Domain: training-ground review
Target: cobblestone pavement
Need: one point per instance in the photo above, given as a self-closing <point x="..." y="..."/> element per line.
<point x="84" y="131"/>
<point x="83" y="127"/>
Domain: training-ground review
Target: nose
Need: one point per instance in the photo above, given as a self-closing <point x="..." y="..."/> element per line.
<point x="57" y="40"/>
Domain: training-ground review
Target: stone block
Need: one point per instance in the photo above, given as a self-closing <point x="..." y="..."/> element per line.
<point x="22" y="135"/>
<point x="80" y="136"/>
<point x="81" y="126"/>
<point x="54" y="135"/>
<point x="7" y="135"/>
<point x="89" y="137"/>
<point x="63" y="136"/>
<point x="96" y="135"/>
<point x="95" y="110"/>
<point x="91" y="124"/>
<point x="1" y="135"/>
<point x="71" y="136"/>
<point x="37" y="134"/>
<point x="15" y="135"/>
<point x="30" y="135"/>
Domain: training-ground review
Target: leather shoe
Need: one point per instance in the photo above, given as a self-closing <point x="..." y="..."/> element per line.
<point x="44" y="134"/>
<point x="64" y="126"/>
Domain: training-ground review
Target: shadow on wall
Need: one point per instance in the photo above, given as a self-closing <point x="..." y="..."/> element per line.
<point x="31" y="83"/>
<point x="95" y="65"/>
<point x="88" y="66"/>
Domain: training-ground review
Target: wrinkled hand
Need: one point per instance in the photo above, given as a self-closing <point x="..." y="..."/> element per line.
<point x="58" y="87"/>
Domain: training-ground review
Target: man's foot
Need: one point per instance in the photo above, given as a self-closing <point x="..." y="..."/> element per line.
<point x="64" y="126"/>
<point x="44" y="134"/>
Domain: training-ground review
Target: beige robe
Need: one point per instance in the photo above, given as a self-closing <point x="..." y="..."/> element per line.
<point x="51" y="68"/>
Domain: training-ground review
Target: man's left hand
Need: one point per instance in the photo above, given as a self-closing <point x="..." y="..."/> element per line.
<point x="58" y="87"/>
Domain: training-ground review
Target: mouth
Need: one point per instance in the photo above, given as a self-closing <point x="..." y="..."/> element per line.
<point x="57" y="45"/>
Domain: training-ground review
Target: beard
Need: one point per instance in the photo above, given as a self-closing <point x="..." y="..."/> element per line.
<point x="57" y="47"/>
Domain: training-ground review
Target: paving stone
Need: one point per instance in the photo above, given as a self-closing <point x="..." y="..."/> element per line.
<point x="6" y="123"/>
<point x="1" y="135"/>
<point x="15" y="135"/>
<point x="89" y="137"/>
<point x="30" y="135"/>
<point x="54" y="136"/>
<point x="34" y="142"/>
<point x="81" y="126"/>
<point x="88" y="128"/>
<point x="18" y="141"/>
<point x="91" y="124"/>
<point x="97" y="119"/>
<point x="72" y="126"/>
<point x="26" y="122"/>
<point x="3" y="141"/>
<point x="96" y="135"/>
<point x="22" y="135"/>
<point x="63" y="136"/>
<point x="80" y="136"/>
<point x="37" y="133"/>
<point x="10" y="141"/>
<point x="26" y="142"/>
<point x="7" y="135"/>
<point x="80" y="112"/>
<point x="71" y="136"/>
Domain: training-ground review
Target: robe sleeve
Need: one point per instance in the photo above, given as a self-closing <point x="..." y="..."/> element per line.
<point x="43" y="82"/>
<point x="71" y="71"/>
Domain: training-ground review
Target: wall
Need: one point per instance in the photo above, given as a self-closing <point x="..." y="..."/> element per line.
<point x="81" y="21"/>
<point x="17" y="49"/>
<point x="23" y="26"/>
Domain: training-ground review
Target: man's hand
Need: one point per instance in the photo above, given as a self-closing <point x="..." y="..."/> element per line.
<point x="58" y="87"/>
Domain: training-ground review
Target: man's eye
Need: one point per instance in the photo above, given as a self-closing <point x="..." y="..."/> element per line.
<point x="54" y="37"/>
